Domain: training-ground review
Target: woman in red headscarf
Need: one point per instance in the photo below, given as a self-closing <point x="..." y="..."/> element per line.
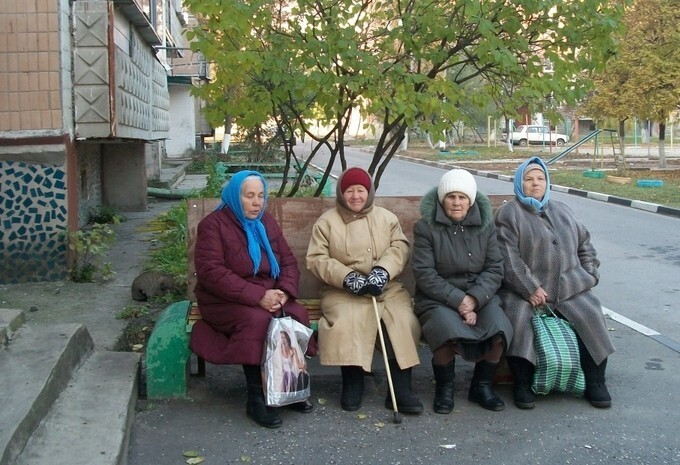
<point x="358" y="249"/>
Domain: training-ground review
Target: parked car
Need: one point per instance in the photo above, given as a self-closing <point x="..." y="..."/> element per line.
<point x="531" y="134"/>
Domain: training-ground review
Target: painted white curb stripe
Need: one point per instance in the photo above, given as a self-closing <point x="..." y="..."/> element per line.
<point x="630" y="323"/>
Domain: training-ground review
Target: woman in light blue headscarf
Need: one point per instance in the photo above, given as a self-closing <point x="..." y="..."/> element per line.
<point x="549" y="259"/>
<point x="246" y="273"/>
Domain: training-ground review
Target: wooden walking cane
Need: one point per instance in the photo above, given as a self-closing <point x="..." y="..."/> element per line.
<point x="397" y="415"/>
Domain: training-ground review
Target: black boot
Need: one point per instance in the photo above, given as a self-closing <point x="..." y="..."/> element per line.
<point x="352" y="387"/>
<point x="596" y="390"/>
<point x="523" y="377"/>
<point x="481" y="387"/>
<point x="443" y="391"/>
<point x="255" y="406"/>
<point x="407" y="402"/>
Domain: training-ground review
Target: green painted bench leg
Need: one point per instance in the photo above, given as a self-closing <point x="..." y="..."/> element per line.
<point x="167" y="353"/>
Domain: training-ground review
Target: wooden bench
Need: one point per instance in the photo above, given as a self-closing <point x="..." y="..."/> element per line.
<point x="167" y="352"/>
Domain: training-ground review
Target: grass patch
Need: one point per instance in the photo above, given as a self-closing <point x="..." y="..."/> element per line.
<point x="668" y="194"/>
<point x="132" y="311"/>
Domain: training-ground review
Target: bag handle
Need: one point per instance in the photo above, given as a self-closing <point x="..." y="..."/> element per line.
<point x="280" y="314"/>
<point x="544" y="310"/>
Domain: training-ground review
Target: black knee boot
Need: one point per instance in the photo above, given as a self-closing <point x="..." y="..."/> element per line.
<point x="596" y="389"/>
<point x="352" y="387"/>
<point x="255" y="406"/>
<point x="523" y="377"/>
<point x="443" y="391"/>
<point x="481" y="387"/>
<point x="407" y="402"/>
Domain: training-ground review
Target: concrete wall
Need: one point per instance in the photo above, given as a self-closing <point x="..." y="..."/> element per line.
<point x="182" y="136"/>
<point x="124" y="176"/>
<point x="89" y="181"/>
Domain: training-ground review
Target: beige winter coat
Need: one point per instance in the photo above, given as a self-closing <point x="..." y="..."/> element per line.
<point x="348" y="327"/>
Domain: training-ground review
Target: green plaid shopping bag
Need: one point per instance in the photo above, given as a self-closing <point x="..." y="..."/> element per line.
<point x="558" y="362"/>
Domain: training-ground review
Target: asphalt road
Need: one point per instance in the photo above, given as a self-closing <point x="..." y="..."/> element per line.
<point x="640" y="270"/>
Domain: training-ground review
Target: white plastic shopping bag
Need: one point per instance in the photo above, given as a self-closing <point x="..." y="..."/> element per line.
<point x="284" y="369"/>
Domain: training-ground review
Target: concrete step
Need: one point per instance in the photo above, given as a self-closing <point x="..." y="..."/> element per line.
<point x="171" y="175"/>
<point x="35" y="367"/>
<point x="91" y="420"/>
<point x="10" y="320"/>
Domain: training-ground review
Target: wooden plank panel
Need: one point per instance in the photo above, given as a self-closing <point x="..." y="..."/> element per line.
<point x="297" y="216"/>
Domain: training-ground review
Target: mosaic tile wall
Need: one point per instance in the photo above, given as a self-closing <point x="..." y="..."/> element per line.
<point x="32" y="222"/>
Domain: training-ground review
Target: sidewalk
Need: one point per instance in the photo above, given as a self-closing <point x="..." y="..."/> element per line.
<point x="638" y="429"/>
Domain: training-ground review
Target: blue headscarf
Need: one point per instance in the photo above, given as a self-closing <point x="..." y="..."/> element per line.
<point x="519" y="185"/>
<point x="254" y="229"/>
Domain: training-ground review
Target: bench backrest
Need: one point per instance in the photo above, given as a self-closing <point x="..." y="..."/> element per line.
<point x="297" y="216"/>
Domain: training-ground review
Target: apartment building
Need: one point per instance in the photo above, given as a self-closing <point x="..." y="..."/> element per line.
<point x="84" y="109"/>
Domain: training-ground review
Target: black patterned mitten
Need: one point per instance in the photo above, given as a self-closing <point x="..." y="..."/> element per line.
<point x="354" y="282"/>
<point x="376" y="281"/>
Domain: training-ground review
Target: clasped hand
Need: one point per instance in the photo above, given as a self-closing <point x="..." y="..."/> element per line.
<point x="466" y="309"/>
<point x="538" y="298"/>
<point x="273" y="300"/>
<point x="373" y="284"/>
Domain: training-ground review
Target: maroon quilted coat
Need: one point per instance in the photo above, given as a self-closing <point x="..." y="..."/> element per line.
<point x="234" y="326"/>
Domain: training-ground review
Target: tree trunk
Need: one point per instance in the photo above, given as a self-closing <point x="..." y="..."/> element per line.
<point x="226" y="140"/>
<point x="429" y="140"/>
<point x="622" y="138"/>
<point x="404" y="143"/>
<point x="662" y="143"/>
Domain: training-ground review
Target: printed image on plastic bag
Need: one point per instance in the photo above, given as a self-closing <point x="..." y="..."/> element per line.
<point x="284" y="368"/>
<point x="294" y="376"/>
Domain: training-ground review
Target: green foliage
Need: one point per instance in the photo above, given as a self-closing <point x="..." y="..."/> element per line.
<point x="106" y="215"/>
<point x="404" y="64"/>
<point x="643" y="79"/>
<point x="90" y="247"/>
<point x="170" y="254"/>
<point x="132" y="311"/>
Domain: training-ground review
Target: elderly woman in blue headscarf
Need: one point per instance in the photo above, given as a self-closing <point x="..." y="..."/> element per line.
<point x="246" y="274"/>
<point x="549" y="259"/>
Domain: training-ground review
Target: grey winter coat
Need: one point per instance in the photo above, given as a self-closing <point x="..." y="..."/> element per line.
<point x="451" y="260"/>
<point x="551" y="250"/>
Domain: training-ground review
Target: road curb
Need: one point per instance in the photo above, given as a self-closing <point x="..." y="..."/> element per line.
<point x="622" y="201"/>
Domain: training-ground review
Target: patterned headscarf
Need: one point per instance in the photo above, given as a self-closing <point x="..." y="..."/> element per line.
<point x="538" y="205"/>
<point x="254" y="229"/>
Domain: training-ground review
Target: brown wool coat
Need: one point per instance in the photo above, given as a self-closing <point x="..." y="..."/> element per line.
<point x="551" y="250"/>
<point x="348" y="327"/>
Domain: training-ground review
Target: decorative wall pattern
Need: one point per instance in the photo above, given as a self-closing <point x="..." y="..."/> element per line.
<point x="142" y="96"/>
<point x="33" y="222"/>
<point x="91" y="69"/>
<point x="139" y="108"/>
